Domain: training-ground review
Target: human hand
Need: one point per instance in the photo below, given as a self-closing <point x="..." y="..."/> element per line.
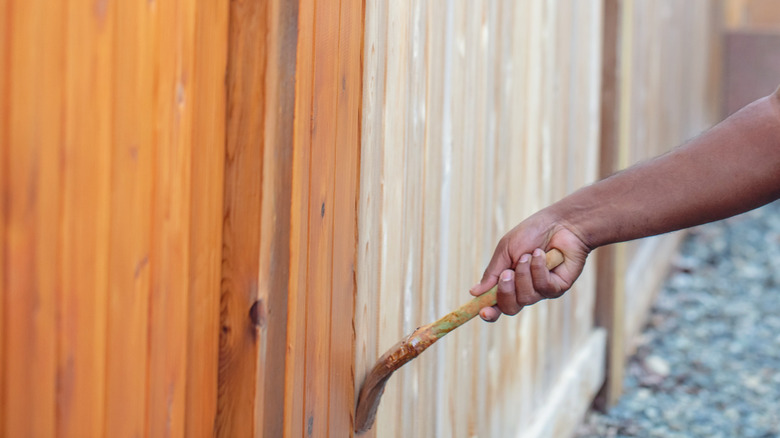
<point x="518" y="265"/>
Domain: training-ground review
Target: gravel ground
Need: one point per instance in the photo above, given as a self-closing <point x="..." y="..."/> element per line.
<point x="708" y="362"/>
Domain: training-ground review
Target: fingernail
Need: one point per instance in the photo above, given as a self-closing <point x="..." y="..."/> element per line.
<point x="538" y="252"/>
<point x="506" y="276"/>
<point x="524" y="258"/>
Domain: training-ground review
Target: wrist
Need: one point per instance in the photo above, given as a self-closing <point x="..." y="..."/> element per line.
<point x="579" y="215"/>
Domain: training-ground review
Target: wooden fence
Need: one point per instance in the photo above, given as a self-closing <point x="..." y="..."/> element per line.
<point x="217" y="214"/>
<point x="475" y="114"/>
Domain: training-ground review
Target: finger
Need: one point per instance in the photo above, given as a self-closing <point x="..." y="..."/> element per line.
<point x="498" y="263"/>
<point x="524" y="288"/>
<point x="507" y="302"/>
<point x="490" y="314"/>
<point x="543" y="282"/>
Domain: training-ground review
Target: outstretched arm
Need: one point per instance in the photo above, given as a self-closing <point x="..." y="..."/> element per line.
<point x="731" y="168"/>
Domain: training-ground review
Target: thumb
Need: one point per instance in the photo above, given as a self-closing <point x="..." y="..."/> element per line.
<point x="498" y="263"/>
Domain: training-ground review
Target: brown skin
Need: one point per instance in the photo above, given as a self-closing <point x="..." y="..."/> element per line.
<point x="732" y="168"/>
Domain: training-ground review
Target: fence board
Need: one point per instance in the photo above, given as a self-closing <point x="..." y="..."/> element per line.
<point x="170" y="220"/>
<point x="5" y="25"/>
<point x="299" y="220"/>
<point x="321" y="212"/>
<point x="270" y="310"/>
<point x="130" y="231"/>
<point x="239" y="343"/>
<point x="347" y="156"/>
<point x="207" y="176"/>
<point x="85" y="222"/>
<point x="35" y="96"/>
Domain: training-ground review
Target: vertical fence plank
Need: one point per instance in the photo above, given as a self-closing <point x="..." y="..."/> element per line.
<point x="321" y="216"/>
<point x="5" y="195"/>
<point x="271" y="309"/>
<point x="392" y="146"/>
<point x="205" y="254"/>
<point x="86" y="164"/>
<point x="295" y="361"/>
<point x="130" y="229"/>
<point x="168" y="312"/>
<point x="347" y="159"/>
<point x="35" y="97"/>
<point x="606" y="313"/>
<point x="430" y="114"/>
<point x="241" y="228"/>
<point x="367" y="302"/>
<point x="411" y="239"/>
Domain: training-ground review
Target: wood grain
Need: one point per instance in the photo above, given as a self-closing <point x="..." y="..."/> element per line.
<point x="215" y="214"/>
<point x="84" y="235"/>
<point x="295" y="359"/>
<point x="4" y="199"/>
<point x="239" y="340"/>
<point x="321" y="217"/>
<point x="271" y="308"/>
<point x="130" y="232"/>
<point x="168" y="314"/>
<point x="345" y="215"/>
<point x="35" y="122"/>
<point x="205" y="247"/>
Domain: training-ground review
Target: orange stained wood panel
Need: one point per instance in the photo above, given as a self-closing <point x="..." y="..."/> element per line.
<point x="169" y="285"/>
<point x="5" y="24"/>
<point x="84" y="220"/>
<point x="207" y="176"/>
<point x="319" y="381"/>
<point x="238" y="342"/>
<point x="96" y="113"/>
<point x="319" y="292"/>
<point x="34" y="92"/>
<point x="130" y="229"/>
<point x="347" y="159"/>
<point x="299" y="232"/>
<point x="143" y="185"/>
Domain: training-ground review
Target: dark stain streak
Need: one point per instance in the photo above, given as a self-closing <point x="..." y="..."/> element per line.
<point x="140" y="266"/>
<point x="309" y="426"/>
<point x="322" y="210"/>
<point x="32" y="186"/>
<point x="343" y="83"/>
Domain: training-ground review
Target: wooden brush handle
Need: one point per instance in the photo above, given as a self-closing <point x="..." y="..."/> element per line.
<point x="464" y="313"/>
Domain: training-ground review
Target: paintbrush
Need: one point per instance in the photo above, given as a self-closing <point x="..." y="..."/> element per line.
<point x="411" y="346"/>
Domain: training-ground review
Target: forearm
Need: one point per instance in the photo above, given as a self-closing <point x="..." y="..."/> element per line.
<point x="732" y="168"/>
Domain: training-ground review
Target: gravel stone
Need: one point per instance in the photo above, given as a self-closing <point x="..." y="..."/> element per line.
<point x="708" y="361"/>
